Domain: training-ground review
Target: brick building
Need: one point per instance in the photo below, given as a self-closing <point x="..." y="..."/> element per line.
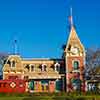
<point x="51" y="75"/>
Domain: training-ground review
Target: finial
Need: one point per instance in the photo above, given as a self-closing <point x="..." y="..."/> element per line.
<point x="15" y="46"/>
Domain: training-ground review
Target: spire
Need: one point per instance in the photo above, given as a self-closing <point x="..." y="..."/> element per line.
<point x="71" y="17"/>
<point x="73" y="38"/>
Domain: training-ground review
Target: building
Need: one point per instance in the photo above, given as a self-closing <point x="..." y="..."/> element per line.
<point x="51" y="75"/>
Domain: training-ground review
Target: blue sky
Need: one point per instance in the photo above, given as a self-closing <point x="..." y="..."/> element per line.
<point x="41" y="26"/>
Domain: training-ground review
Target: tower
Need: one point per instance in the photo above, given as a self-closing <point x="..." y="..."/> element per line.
<point x="74" y="61"/>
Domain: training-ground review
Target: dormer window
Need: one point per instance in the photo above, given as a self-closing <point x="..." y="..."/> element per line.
<point x="57" y="67"/>
<point x="13" y="63"/>
<point x="27" y="67"/>
<point x="40" y="67"/>
<point x="44" y="67"/>
<point x="32" y="68"/>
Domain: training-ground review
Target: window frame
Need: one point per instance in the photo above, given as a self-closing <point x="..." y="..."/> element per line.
<point x="73" y="64"/>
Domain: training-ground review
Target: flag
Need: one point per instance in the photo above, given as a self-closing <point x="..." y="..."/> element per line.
<point x="71" y="17"/>
<point x="71" y="20"/>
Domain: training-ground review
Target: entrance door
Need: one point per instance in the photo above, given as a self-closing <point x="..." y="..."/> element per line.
<point x="52" y="86"/>
<point x="45" y="85"/>
<point x="31" y="85"/>
<point x="37" y="86"/>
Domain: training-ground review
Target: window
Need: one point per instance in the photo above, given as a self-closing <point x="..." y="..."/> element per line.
<point x="40" y="67"/>
<point x="57" y="67"/>
<point x="27" y="67"/>
<point x="76" y="65"/>
<point x="13" y="63"/>
<point x="44" y="67"/>
<point x="32" y="68"/>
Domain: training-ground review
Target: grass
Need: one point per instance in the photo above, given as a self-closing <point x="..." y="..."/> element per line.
<point x="51" y="98"/>
<point x="46" y="96"/>
<point x="11" y="98"/>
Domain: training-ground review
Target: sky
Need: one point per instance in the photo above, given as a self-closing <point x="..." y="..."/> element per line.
<point x="41" y="27"/>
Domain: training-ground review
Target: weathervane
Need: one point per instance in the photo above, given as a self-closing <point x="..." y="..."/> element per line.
<point x="15" y="46"/>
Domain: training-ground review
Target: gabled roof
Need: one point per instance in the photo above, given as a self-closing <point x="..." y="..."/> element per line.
<point x="74" y="40"/>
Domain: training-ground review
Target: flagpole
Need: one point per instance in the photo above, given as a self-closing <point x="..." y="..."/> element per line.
<point x="71" y="14"/>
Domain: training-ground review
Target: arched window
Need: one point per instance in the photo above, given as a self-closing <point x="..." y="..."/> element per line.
<point x="27" y="67"/>
<point x="44" y="67"/>
<point x="32" y="67"/>
<point x="57" y="67"/>
<point x="40" y="67"/>
<point x="76" y="65"/>
<point x="13" y="63"/>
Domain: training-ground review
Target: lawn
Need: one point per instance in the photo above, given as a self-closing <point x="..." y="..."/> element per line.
<point x="11" y="98"/>
<point x="51" y="98"/>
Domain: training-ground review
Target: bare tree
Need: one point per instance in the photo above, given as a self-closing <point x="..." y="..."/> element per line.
<point x="92" y="62"/>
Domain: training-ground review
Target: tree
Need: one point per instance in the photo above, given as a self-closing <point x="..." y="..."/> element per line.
<point x="92" y="62"/>
<point x="3" y="58"/>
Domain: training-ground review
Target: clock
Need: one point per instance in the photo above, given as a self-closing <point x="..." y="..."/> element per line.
<point x="74" y="50"/>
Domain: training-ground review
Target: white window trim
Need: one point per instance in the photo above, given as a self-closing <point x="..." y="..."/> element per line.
<point x="43" y="67"/>
<point x="30" y="67"/>
<point x="57" y="64"/>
